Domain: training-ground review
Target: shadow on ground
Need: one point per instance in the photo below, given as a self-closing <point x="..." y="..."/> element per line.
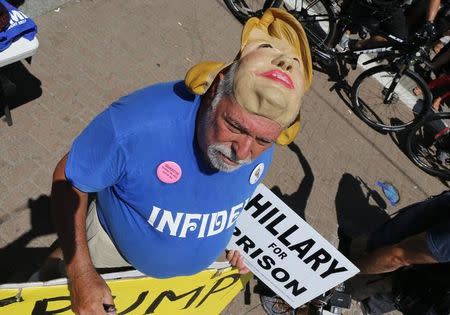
<point x="359" y="210"/>
<point x="296" y="201"/>
<point x="19" y="261"/>
<point x="18" y="86"/>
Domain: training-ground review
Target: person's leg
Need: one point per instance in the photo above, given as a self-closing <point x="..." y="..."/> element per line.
<point x="371" y="42"/>
<point x="410" y="220"/>
<point x="442" y="58"/>
<point x="415" y="14"/>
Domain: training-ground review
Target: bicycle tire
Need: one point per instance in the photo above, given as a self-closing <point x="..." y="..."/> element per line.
<point x="402" y="111"/>
<point x="422" y="152"/>
<point x="317" y="18"/>
<point x="245" y="9"/>
<point x="319" y="26"/>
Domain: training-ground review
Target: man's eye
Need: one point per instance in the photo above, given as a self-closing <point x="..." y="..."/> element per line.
<point x="263" y="142"/>
<point x="265" y="46"/>
<point x="233" y="128"/>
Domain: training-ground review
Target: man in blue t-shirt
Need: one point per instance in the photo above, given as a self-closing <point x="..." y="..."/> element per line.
<point x="173" y="170"/>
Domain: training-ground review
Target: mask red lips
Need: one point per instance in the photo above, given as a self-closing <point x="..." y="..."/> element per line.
<point x="279" y="76"/>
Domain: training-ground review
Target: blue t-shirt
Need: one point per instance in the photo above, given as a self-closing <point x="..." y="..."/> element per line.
<point x="161" y="229"/>
<point x="20" y="25"/>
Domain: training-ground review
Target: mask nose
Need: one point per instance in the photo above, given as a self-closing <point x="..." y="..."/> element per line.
<point x="284" y="63"/>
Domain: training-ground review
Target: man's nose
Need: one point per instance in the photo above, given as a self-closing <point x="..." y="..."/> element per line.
<point x="242" y="148"/>
<point x="283" y="62"/>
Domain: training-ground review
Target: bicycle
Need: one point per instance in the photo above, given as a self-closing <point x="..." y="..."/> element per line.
<point x="428" y="145"/>
<point x="381" y="96"/>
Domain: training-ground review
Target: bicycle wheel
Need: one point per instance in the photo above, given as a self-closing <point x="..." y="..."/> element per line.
<point x="385" y="100"/>
<point x="316" y="16"/>
<point x="245" y="9"/>
<point x="428" y="145"/>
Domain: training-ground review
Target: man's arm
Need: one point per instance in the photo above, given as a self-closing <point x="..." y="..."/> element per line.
<point x="412" y="250"/>
<point x="89" y="292"/>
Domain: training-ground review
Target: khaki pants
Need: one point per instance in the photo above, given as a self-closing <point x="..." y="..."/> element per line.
<point x="102" y="250"/>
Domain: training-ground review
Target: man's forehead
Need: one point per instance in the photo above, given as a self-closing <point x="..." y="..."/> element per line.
<point x="253" y="123"/>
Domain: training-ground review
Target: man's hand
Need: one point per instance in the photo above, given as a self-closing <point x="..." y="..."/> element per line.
<point x="236" y="260"/>
<point x="90" y="295"/>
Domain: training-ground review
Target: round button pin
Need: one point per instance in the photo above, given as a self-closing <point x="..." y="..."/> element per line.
<point x="256" y="173"/>
<point x="169" y="172"/>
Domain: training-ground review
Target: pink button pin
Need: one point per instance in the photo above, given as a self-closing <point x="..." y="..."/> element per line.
<point x="169" y="172"/>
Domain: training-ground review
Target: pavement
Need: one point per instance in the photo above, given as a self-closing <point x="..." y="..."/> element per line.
<point x="94" y="51"/>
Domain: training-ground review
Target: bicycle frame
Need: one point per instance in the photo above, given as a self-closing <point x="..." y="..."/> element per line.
<point x="401" y="53"/>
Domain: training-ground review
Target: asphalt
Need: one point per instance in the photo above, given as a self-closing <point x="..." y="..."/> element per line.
<point x="94" y="51"/>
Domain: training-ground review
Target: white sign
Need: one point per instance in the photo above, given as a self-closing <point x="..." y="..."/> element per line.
<point x="286" y="253"/>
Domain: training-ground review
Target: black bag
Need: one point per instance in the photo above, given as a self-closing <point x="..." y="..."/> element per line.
<point x="423" y="289"/>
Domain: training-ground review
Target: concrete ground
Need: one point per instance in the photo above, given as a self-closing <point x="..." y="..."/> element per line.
<point x="94" y="51"/>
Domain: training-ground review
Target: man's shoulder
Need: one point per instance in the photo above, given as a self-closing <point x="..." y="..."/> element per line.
<point x="153" y="105"/>
<point x="156" y="96"/>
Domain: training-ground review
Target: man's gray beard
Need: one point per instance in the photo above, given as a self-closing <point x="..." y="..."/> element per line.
<point x="215" y="152"/>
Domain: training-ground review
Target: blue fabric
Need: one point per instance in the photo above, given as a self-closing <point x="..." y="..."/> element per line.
<point x="163" y="230"/>
<point x="438" y="240"/>
<point x="431" y="216"/>
<point x="19" y="26"/>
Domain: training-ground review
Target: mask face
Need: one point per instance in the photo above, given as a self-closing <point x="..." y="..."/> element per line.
<point x="270" y="78"/>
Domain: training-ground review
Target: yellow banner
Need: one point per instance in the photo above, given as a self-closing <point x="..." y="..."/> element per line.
<point x="207" y="292"/>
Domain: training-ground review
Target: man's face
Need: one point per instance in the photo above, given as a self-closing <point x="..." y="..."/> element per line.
<point x="270" y="72"/>
<point x="231" y="137"/>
